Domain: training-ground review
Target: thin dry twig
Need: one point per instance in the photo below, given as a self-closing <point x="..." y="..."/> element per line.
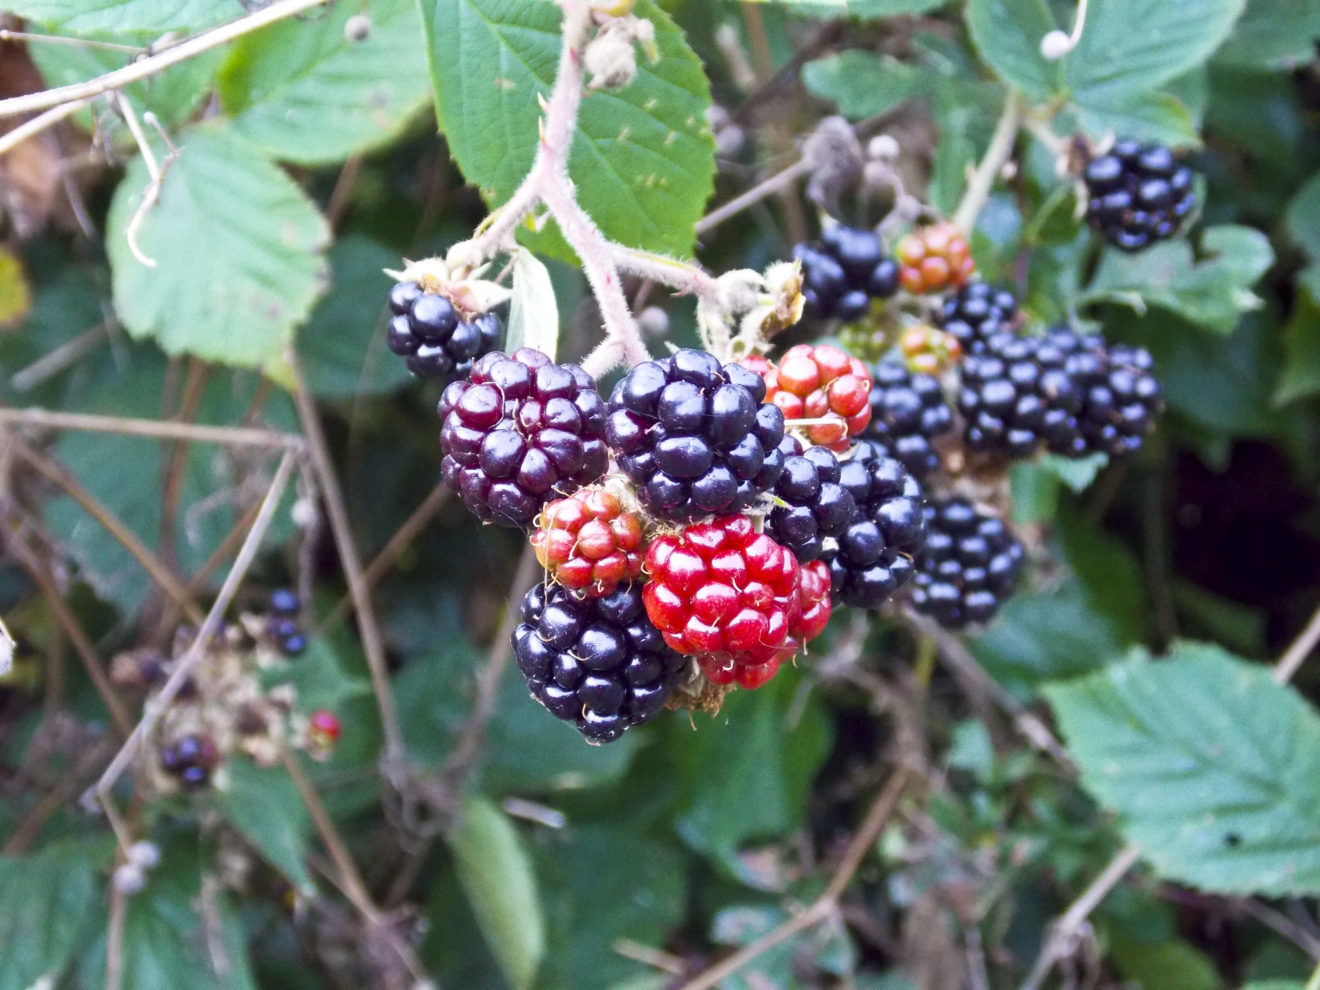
<point x="228" y="436"/>
<point x="1298" y="650"/>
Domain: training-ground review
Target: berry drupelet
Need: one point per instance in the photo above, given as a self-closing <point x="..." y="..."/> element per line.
<point x="976" y="312"/>
<point x="970" y="564"/>
<point x="811" y="506"/>
<point x="908" y="412"/>
<point x="521" y="431"/>
<point x="694" y="435"/>
<point x="1137" y="194"/>
<point x="192" y="759"/>
<point x="596" y="662"/>
<point x="588" y="542"/>
<point x="844" y="271"/>
<point x="432" y="337"/>
<point x="873" y="558"/>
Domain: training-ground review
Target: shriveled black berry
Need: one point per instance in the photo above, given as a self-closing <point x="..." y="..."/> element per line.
<point x="969" y="567"/>
<point x="872" y="557"/>
<point x="695" y="435"/>
<point x="519" y="432"/>
<point x="432" y="337"/>
<point x="977" y="312"/>
<point x="192" y="759"/>
<point x="812" y="507"/>
<point x="844" y="271"/>
<point x="908" y="412"/>
<point x="1137" y="194"/>
<point x="596" y="662"/>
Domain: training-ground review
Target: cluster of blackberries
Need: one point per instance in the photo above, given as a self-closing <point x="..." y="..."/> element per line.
<point x="844" y="271"/>
<point x="977" y="312"/>
<point x="908" y="413"/>
<point x="191" y="759"/>
<point x="432" y="337"/>
<point x="1137" y="194"/>
<point x="282" y="623"/>
<point x="969" y="566"/>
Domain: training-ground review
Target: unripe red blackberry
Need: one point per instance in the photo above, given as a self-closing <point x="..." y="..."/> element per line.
<point x="519" y="433"/>
<point x="694" y="435"/>
<point x="822" y="382"/>
<point x="430" y="334"/>
<point x="934" y="258"/>
<point x="596" y="662"/>
<point x="1137" y="194"/>
<point x="588" y="542"/>
<point x="969" y="566"/>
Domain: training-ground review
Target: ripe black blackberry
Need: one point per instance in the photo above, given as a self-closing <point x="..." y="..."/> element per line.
<point x="519" y="432"/>
<point x="976" y="312"/>
<point x="908" y="411"/>
<point x="1019" y="395"/>
<point x="844" y="271"/>
<point x="1120" y="397"/>
<point x="192" y="759"/>
<point x="874" y="555"/>
<point x="596" y="662"/>
<point x="432" y="337"/>
<point x="695" y="436"/>
<point x="815" y="506"/>
<point x="1137" y="194"/>
<point x="969" y="566"/>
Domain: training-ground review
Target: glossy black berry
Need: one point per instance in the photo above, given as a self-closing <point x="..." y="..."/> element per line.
<point x="811" y="506"/>
<point x="1137" y="194"/>
<point x="694" y="435"/>
<point x="844" y="271"/>
<point x="908" y="412"/>
<point x="192" y="759"/>
<point x="977" y="312"/>
<point x="284" y="602"/>
<point x="596" y="662"/>
<point x="969" y="567"/>
<point x="872" y="557"/>
<point x="432" y="337"/>
<point x="519" y="432"/>
<point x="1120" y="399"/>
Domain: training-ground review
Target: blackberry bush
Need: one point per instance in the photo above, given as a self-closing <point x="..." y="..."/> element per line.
<point x="522" y="431"/>
<point x="969" y="566"/>
<point x="596" y="662"/>
<point x="1137" y="194"/>
<point x="694" y="435"/>
<point x="430" y="334"/>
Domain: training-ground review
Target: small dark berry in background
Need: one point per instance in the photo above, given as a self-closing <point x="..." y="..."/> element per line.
<point x="843" y="272"/>
<point x="1137" y="194"/>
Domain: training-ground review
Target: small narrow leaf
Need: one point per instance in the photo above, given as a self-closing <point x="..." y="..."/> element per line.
<point x="1213" y="769"/>
<point x="497" y="876"/>
<point x="533" y="311"/>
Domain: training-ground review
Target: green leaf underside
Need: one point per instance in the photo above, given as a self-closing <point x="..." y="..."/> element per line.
<point x="496" y="872"/>
<point x="642" y="157"/>
<point x="39" y="930"/>
<point x="1213" y="769"/>
<point x="84" y="16"/>
<point x="238" y="251"/>
<point x="264" y="805"/>
<point x="306" y="93"/>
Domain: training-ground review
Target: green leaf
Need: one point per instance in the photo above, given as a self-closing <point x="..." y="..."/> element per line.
<point x="1007" y="33"/>
<point x="40" y="929"/>
<point x="1148" y="116"/>
<point x="533" y="310"/>
<point x="1212" y="292"/>
<point x="874" y="10"/>
<point x="1274" y="985"/>
<point x="1213" y="769"/>
<point x="1301" y="351"/>
<point x="496" y="872"/>
<point x="1273" y="34"/>
<point x="642" y="157"/>
<point x="1170" y="965"/>
<point x="306" y="93"/>
<point x="1300" y="220"/>
<point x="82" y="17"/>
<point x="237" y="247"/>
<point x="862" y="84"/>
<point x="264" y="805"/>
<point x="342" y="345"/>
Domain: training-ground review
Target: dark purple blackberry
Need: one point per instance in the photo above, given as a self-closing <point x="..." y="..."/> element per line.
<point x="844" y="271"/>
<point x="873" y="556"/>
<point x="429" y="333"/>
<point x="970" y="564"/>
<point x="908" y="411"/>
<point x="815" y="507"/>
<point x="191" y="759"/>
<point x="976" y="312"/>
<point x="519" y="432"/>
<point x="1019" y="396"/>
<point x="694" y="435"/>
<point x="1120" y="397"/>
<point x="1137" y="194"/>
<point x="284" y="602"/>
<point x="596" y="662"/>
